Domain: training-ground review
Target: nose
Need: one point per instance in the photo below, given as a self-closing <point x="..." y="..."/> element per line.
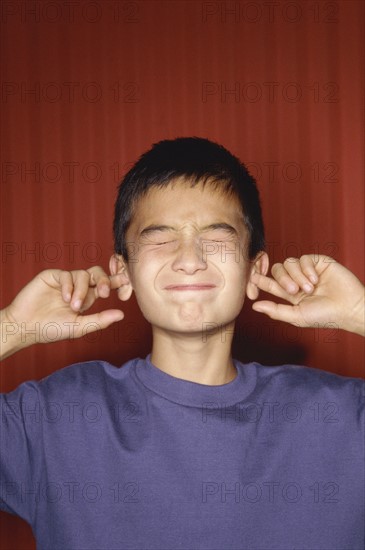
<point x="189" y="257"/>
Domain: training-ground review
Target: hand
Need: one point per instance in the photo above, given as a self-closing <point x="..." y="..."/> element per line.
<point x="321" y="291"/>
<point x="51" y="305"/>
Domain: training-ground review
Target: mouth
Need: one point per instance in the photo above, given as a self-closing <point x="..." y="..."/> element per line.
<point x="197" y="286"/>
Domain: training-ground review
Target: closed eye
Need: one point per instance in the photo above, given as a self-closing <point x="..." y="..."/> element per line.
<point x="153" y="233"/>
<point x="218" y="239"/>
<point x="213" y="241"/>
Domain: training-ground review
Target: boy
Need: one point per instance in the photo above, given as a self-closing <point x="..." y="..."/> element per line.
<point x="187" y="448"/>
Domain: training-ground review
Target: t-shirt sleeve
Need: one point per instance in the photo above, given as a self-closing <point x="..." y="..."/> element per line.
<point x="21" y="450"/>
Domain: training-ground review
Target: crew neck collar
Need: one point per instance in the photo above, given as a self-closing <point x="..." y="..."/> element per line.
<point x="193" y="394"/>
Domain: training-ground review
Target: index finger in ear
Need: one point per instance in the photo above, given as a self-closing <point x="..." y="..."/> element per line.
<point x="101" y="280"/>
<point x="118" y="280"/>
<point x="270" y="285"/>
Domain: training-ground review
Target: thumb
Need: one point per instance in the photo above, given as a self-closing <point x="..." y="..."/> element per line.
<point x="99" y="321"/>
<point x="279" y="312"/>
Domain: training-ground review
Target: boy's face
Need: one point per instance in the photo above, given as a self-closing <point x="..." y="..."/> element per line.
<point x="188" y="260"/>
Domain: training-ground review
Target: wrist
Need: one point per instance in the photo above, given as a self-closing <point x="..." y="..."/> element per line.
<point x="356" y="319"/>
<point x="10" y="335"/>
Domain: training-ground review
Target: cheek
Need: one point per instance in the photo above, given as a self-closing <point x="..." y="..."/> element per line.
<point x="142" y="283"/>
<point x="236" y="277"/>
<point x="142" y="276"/>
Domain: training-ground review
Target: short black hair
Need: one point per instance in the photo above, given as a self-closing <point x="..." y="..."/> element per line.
<point x="197" y="160"/>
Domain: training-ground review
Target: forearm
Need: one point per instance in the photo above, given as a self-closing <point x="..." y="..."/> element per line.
<point x="11" y="336"/>
<point x="355" y="321"/>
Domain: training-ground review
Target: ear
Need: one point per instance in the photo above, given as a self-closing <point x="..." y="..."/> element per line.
<point x="259" y="265"/>
<point x="118" y="266"/>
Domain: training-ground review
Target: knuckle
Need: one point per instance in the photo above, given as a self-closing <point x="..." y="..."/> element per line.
<point x="270" y="286"/>
<point x="328" y="259"/>
<point x="80" y="272"/>
<point x="95" y="268"/>
<point x="275" y="267"/>
<point x="291" y="260"/>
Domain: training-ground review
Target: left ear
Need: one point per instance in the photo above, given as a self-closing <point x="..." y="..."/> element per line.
<point x="118" y="265"/>
<point x="259" y="265"/>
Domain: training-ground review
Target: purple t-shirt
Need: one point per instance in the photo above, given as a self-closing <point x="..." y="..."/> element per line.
<point x="100" y="457"/>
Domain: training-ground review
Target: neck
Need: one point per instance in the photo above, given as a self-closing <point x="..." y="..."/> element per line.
<point x="201" y="358"/>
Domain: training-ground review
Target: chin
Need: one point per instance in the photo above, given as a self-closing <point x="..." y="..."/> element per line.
<point x="201" y="328"/>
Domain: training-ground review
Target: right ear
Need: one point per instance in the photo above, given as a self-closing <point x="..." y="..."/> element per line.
<point x="259" y="265"/>
<point x="118" y="266"/>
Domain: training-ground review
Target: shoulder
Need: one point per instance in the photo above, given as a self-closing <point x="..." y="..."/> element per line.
<point x="84" y="378"/>
<point x="87" y="375"/>
<point x="299" y="374"/>
<point x="300" y="383"/>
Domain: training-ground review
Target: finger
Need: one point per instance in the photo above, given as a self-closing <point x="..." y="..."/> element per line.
<point x="101" y="280"/>
<point x="104" y="283"/>
<point x="279" y="312"/>
<point x="267" y="284"/>
<point x="98" y="321"/>
<point x="291" y="277"/>
<point x="82" y="283"/>
<point x="308" y="263"/>
<point x="118" y="280"/>
<point x="66" y="282"/>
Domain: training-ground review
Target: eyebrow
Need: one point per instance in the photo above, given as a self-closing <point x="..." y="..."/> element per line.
<point x="220" y="225"/>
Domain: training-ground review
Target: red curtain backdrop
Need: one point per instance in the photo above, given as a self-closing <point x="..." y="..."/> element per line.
<point x="88" y="86"/>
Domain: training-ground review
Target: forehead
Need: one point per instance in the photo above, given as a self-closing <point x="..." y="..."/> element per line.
<point x="180" y="202"/>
